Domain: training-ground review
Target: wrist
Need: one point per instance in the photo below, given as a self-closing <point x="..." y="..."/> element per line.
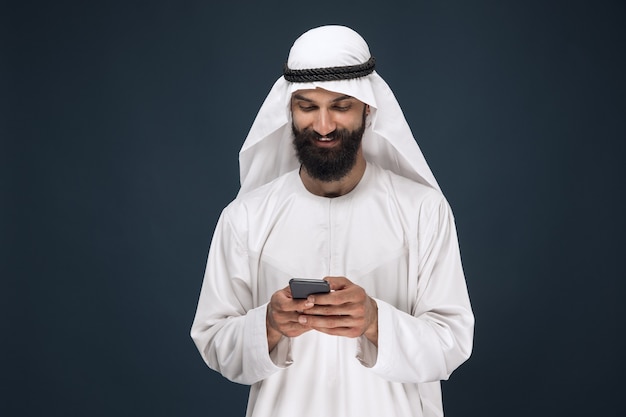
<point x="273" y="335"/>
<point x="371" y="332"/>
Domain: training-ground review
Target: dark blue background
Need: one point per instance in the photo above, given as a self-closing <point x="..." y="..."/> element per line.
<point x="120" y="127"/>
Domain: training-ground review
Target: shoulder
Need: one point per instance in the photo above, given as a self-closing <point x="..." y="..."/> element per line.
<point x="263" y="198"/>
<point x="414" y="202"/>
<point x="404" y="189"/>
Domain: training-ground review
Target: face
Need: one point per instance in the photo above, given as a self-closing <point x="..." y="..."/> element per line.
<point x="328" y="128"/>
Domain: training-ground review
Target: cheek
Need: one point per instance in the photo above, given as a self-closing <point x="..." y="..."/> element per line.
<point x="298" y="120"/>
<point x="352" y="121"/>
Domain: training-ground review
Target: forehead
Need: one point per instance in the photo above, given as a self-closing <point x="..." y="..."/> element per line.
<point x="319" y="95"/>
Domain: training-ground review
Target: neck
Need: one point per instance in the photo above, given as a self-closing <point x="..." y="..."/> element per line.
<point x="335" y="188"/>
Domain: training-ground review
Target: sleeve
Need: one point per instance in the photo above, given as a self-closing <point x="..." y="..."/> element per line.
<point x="228" y="330"/>
<point x="431" y="341"/>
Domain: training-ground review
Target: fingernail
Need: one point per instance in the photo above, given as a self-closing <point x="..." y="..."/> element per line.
<point x="302" y="320"/>
<point x="308" y="304"/>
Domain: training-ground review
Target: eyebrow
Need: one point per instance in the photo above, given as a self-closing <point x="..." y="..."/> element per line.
<point x="340" y="98"/>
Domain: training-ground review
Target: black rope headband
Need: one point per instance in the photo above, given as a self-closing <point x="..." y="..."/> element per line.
<point x="329" y="74"/>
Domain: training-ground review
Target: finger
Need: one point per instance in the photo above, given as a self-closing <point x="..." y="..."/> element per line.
<point x="338" y="283"/>
<point x="291" y="304"/>
<point x="348" y="309"/>
<point x="330" y="322"/>
<point x="337" y="326"/>
<point x="293" y="329"/>
<point x="341" y="331"/>
<point x="286" y="323"/>
<point x="280" y="319"/>
<point x="352" y="294"/>
<point x="286" y="294"/>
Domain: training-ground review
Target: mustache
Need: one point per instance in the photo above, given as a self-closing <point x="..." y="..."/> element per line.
<point x="310" y="134"/>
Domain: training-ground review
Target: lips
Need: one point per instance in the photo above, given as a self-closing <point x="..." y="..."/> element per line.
<point x="326" y="142"/>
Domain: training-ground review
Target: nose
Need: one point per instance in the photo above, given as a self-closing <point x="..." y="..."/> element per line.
<point x="324" y="123"/>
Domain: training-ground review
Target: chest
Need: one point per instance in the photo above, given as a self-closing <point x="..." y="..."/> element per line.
<point x="365" y="241"/>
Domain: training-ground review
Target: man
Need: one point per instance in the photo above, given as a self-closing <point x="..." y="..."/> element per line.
<point x="334" y="186"/>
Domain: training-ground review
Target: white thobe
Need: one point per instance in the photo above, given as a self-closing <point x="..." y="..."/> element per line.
<point x="391" y="236"/>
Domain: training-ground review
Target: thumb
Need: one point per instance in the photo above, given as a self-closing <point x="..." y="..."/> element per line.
<point x="338" y="283"/>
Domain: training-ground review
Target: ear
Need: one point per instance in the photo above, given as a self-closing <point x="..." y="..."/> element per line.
<point x="367" y="109"/>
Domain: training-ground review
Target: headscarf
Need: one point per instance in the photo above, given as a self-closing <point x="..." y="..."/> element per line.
<point x="268" y="152"/>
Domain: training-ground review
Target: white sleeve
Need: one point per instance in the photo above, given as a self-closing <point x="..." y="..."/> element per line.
<point x="228" y="330"/>
<point x="437" y="336"/>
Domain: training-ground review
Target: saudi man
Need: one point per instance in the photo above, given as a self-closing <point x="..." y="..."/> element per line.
<point x="334" y="187"/>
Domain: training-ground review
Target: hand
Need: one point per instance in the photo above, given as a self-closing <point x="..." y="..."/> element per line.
<point x="347" y="311"/>
<point x="282" y="316"/>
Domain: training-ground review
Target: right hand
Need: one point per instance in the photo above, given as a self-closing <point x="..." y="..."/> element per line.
<point x="282" y="316"/>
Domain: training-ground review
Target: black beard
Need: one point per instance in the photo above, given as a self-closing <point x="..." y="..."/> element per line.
<point x="328" y="164"/>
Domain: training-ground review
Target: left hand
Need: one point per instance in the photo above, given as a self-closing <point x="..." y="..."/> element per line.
<point x="346" y="311"/>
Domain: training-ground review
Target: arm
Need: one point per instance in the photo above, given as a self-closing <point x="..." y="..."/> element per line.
<point x="228" y="329"/>
<point x="436" y="337"/>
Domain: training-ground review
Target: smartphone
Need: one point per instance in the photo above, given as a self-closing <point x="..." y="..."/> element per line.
<point x="303" y="287"/>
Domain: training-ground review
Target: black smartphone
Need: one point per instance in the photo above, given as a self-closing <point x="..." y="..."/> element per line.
<point x="303" y="287"/>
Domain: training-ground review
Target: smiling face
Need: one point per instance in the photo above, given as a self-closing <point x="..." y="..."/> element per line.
<point x="328" y="128"/>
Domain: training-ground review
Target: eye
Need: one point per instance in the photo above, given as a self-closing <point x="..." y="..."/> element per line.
<point x="342" y="107"/>
<point x="306" y="108"/>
